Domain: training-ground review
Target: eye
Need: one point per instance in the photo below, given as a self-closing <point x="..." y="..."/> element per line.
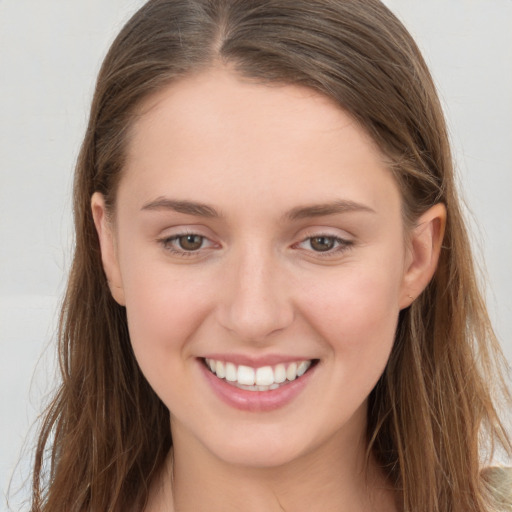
<point x="190" y="242"/>
<point x="322" y="243"/>
<point x="325" y="244"/>
<point x="185" y="244"/>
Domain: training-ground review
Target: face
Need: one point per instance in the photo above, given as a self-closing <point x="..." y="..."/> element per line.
<point x="259" y="249"/>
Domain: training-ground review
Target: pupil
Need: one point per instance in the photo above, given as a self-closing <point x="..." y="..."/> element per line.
<point x="322" y="243"/>
<point x="191" y="242"/>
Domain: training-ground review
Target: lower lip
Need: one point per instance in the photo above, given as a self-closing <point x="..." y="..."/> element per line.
<point x="256" y="401"/>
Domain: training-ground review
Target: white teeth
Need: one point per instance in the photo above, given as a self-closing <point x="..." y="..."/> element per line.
<point x="231" y="374"/>
<point x="279" y="373"/>
<point x="291" y="372"/>
<point x="220" y="369"/>
<point x="246" y="375"/>
<point x="302" y="368"/>
<point x="265" y="378"/>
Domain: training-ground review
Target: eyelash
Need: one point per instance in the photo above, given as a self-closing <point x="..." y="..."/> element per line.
<point x="167" y="244"/>
<point x="341" y="244"/>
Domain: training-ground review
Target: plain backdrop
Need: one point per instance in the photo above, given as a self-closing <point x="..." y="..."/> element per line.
<point x="50" y="52"/>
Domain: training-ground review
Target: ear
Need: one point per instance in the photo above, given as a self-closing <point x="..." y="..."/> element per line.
<point x="423" y="253"/>
<point x="108" y="248"/>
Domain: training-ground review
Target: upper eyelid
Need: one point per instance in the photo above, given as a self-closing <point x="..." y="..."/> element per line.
<point x="177" y="231"/>
<point x="168" y="244"/>
<point x="310" y="233"/>
<point x="325" y="232"/>
<point x="176" y="236"/>
<point x="344" y="243"/>
<point x="180" y="229"/>
<point x="337" y="232"/>
<point x="341" y="240"/>
<point x="304" y="232"/>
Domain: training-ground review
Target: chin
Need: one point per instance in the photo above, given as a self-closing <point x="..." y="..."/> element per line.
<point x="260" y="454"/>
<point x="271" y="446"/>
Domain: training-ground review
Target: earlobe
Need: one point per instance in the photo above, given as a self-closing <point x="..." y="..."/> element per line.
<point x="106" y="238"/>
<point x="425" y="247"/>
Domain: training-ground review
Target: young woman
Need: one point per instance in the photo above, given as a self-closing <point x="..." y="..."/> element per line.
<point x="272" y="304"/>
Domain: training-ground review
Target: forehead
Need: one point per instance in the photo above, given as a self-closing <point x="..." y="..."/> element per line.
<point x="216" y="132"/>
<point x="220" y="94"/>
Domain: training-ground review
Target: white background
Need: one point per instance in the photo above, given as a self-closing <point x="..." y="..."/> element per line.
<point x="50" y="52"/>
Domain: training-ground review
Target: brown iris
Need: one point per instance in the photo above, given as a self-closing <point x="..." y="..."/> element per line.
<point x="190" y="242"/>
<point x="322" y="243"/>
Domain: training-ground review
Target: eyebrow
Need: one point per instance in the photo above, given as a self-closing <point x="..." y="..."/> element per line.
<point x="321" y="210"/>
<point x="298" y="213"/>
<point x="186" y="207"/>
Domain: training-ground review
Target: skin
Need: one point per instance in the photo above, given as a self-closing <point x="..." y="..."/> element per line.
<point x="257" y="286"/>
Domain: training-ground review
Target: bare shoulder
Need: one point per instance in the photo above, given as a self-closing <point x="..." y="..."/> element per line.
<point x="499" y="482"/>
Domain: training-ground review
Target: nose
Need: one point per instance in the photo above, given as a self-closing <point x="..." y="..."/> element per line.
<point x="256" y="302"/>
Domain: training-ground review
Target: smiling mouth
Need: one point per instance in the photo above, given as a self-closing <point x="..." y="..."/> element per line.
<point x="264" y="378"/>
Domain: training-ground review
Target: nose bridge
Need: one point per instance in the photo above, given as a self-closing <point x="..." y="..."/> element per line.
<point x="256" y="303"/>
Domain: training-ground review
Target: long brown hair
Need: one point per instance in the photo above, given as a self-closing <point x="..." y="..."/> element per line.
<point x="106" y="433"/>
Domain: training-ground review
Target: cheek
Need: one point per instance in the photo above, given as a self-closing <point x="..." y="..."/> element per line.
<point x="163" y="312"/>
<point x="357" y="323"/>
<point x="356" y="313"/>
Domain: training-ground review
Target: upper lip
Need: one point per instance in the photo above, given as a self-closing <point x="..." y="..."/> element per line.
<point x="256" y="362"/>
